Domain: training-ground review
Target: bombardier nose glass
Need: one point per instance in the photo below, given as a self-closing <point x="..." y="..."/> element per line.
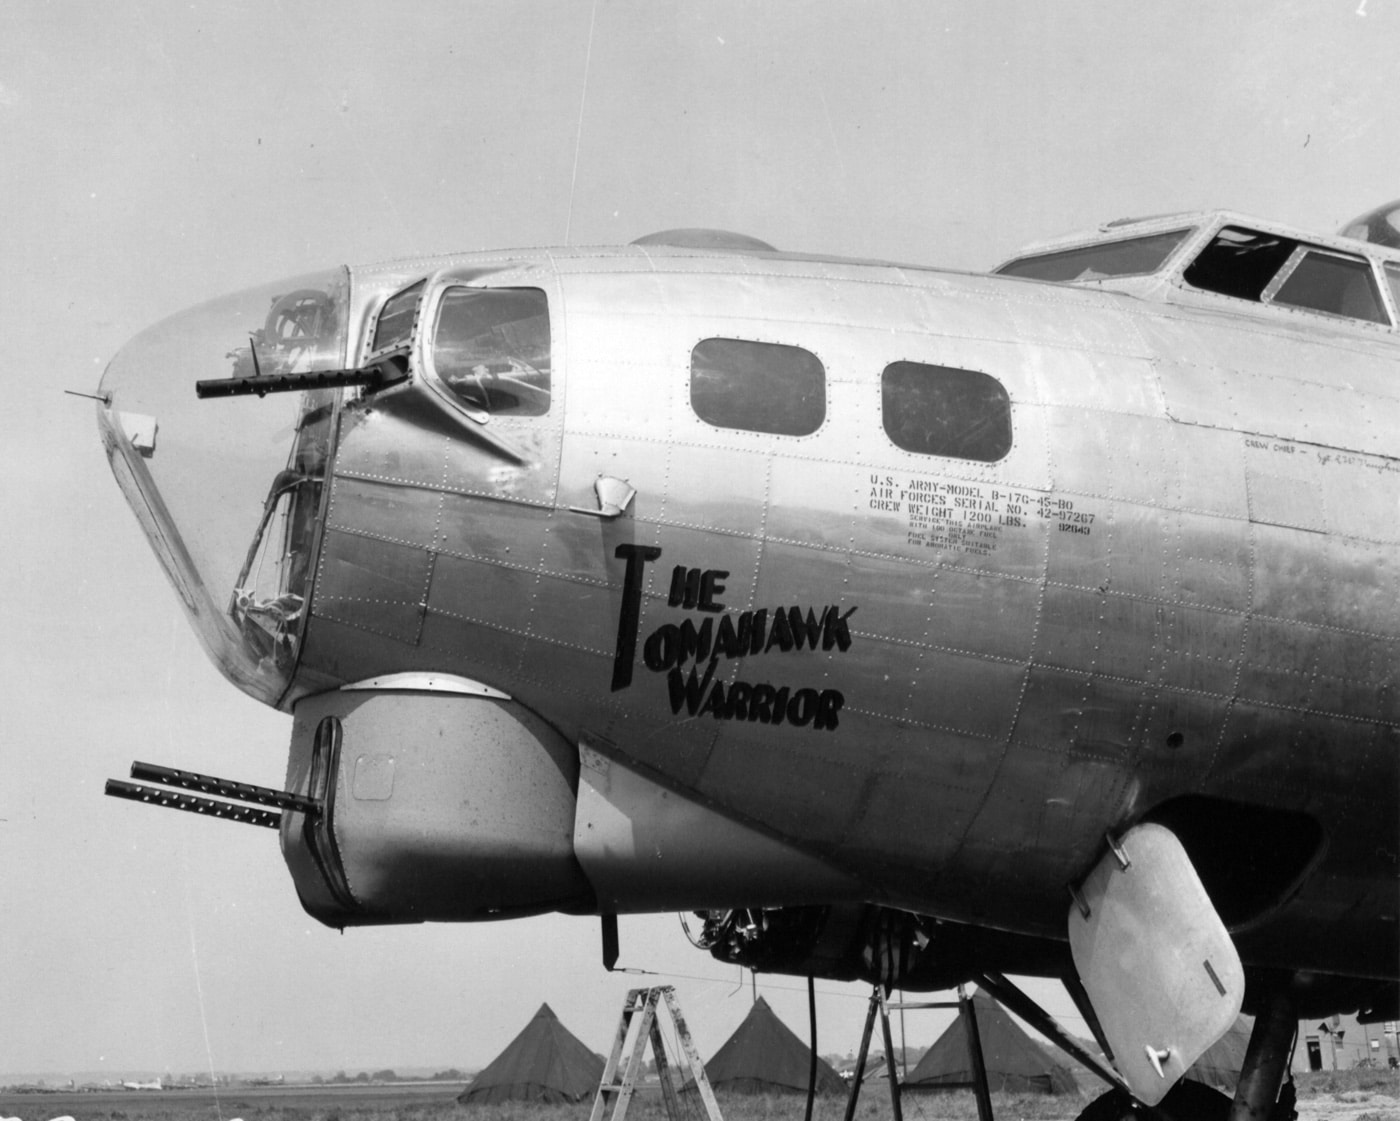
<point x="270" y="593"/>
<point x="228" y="489"/>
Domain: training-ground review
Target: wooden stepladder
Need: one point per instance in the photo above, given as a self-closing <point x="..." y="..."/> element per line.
<point x="640" y="1011"/>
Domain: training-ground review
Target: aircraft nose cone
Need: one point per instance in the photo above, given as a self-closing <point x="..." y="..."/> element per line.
<point x="208" y="479"/>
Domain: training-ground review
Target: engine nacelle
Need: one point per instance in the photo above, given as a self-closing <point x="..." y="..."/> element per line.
<point x="437" y="806"/>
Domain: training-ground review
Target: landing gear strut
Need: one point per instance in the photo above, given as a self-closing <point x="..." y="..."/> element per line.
<point x="1266" y="1060"/>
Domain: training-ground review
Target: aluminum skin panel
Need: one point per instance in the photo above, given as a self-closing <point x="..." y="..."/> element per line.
<point x="1320" y="385"/>
<point x="641" y="846"/>
<point x="1073" y="643"/>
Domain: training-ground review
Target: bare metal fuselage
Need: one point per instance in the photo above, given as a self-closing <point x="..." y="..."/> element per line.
<point x="1179" y="581"/>
<point x="944" y="680"/>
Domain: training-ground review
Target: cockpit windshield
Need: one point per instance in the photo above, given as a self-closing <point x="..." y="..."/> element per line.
<point x="228" y="489"/>
<point x="1134" y="256"/>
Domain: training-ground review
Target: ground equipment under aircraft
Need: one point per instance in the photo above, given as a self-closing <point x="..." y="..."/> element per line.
<point x="908" y="625"/>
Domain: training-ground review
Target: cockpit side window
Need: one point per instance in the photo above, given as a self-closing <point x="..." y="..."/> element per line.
<point x="945" y="411"/>
<point x="757" y="387"/>
<point x="1333" y="283"/>
<point x="1273" y="269"/>
<point x="1135" y="256"/>
<point x="1392" y="277"/>
<point x="394" y="327"/>
<point x="1239" y="263"/>
<point x="491" y="348"/>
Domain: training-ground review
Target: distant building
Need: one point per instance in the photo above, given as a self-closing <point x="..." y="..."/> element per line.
<point x="1341" y="1043"/>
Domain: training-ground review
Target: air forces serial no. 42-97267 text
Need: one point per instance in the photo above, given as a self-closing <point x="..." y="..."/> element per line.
<point x="910" y="625"/>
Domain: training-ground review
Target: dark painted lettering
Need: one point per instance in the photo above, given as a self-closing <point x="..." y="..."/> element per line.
<point x="629" y="617"/>
<point x="693" y="689"/>
<point x="828" y="705"/>
<point x="714" y="704"/>
<point x="761" y="707"/>
<point x="662" y="648"/>
<point x="809" y="629"/>
<point x="781" y="634"/>
<point x="758" y="630"/>
<point x="762" y="704"/>
<point x="802" y="708"/>
<point x="688" y="690"/>
<point x="685" y="587"/>
<point x="780" y="703"/>
<point x="727" y="640"/>
<point x="695" y="642"/>
<point x="834" y="629"/>
<point x="710" y="587"/>
<point x="743" y="637"/>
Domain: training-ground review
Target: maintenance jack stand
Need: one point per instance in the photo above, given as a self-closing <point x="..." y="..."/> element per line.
<point x="879" y="1004"/>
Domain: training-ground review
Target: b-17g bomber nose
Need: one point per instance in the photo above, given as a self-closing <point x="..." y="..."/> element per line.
<point x="227" y="490"/>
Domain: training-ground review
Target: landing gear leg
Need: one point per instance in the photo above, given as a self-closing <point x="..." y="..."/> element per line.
<point x="1266" y="1059"/>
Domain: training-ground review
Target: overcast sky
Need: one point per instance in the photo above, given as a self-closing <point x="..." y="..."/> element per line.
<point x="153" y="155"/>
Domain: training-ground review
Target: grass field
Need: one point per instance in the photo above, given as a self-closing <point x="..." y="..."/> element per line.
<point x="1364" y="1095"/>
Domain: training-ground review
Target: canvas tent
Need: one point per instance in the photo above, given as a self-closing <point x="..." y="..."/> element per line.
<point x="544" y="1063"/>
<point x="1015" y="1063"/>
<point x="763" y="1056"/>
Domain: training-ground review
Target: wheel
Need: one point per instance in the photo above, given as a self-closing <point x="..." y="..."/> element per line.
<point x="1186" y="1101"/>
